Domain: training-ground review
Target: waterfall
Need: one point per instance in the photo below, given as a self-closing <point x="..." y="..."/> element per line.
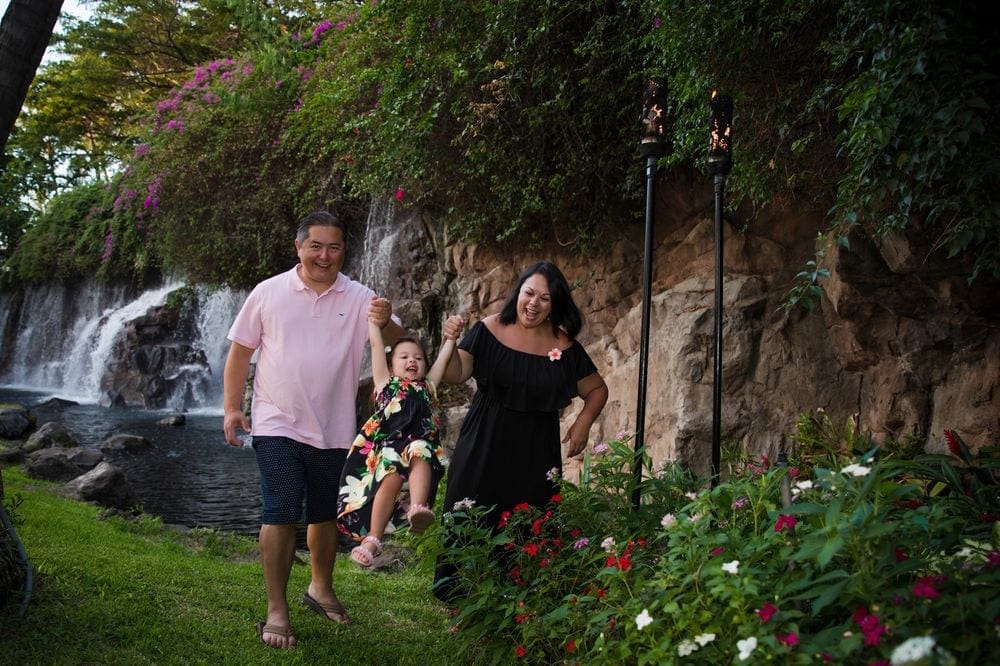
<point x="375" y="258"/>
<point x="65" y="338"/>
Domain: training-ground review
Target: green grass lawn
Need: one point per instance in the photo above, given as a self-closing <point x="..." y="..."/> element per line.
<point x="116" y="591"/>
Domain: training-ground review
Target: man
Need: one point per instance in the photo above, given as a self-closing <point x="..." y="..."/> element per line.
<point x="309" y="327"/>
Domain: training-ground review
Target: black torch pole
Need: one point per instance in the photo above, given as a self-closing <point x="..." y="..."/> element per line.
<point x="720" y="162"/>
<point x="653" y="146"/>
<point x="720" y="181"/>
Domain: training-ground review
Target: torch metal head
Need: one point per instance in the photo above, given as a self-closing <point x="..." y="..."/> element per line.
<point x="720" y="143"/>
<point x="655" y="114"/>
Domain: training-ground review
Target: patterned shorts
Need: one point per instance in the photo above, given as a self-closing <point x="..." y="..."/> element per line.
<point x="291" y="472"/>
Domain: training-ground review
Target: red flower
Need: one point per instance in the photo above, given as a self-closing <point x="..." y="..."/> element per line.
<point x="542" y="563"/>
<point x="900" y="554"/>
<point x="555" y="499"/>
<point x="788" y="639"/>
<point x="783" y="522"/>
<point x="870" y="626"/>
<point x="536" y="527"/>
<point x="531" y="549"/>
<point x="926" y="587"/>
<point x="993" y="559"/>
<point x="523" y="617"/>
<point x="571" y="645"/>
<point x="717" y="551"/>
<point x="520" y="651"/>
<point x="400" y="193"/>
<point x="767" y="611"/>
<point x="601" y="593"/>
<point x="504" y="517"/>
<point x="953" y="445"/>
<point x="523" y="506"/>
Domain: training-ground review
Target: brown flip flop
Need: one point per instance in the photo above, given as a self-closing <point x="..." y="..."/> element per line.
<point x="330" y="611"/>
<point x="263" y="628"/>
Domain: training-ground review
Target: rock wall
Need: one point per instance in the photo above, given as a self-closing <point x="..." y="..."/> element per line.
<point x="900" y="341"/>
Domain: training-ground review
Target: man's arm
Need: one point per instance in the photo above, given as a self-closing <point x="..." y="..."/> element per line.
<point x="234" y="380"/>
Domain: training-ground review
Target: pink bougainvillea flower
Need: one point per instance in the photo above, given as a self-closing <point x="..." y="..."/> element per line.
<point x="400" y="193"/>
<point x="783" y="522"/>
<point x="555" y="354"/>
<point x="767" y="611"/>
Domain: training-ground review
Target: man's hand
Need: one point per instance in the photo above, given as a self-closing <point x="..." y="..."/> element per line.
<point x="379" y="311"/>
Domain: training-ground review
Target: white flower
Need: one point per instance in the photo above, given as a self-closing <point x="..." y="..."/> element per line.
<point x="912" y="650"/>
<point x="392" y="407"/>
<point x="464" y="504"/>
<point x="731" y="567"/>
<point x="855" y="469"/>
<point x="552" y="474"/>
<point x="668" y="520"/>
<point x="694" y="517"/>
<point x="690" y="495"/>
<point x="746" y="646"/>
<point x="704" y="639"/>
<point x="686" y="647"/>
<point x="354" y="491"/>
<point x="608" y="545"/>
<point x="802" y="486"/>
<point x="643" y="620"/>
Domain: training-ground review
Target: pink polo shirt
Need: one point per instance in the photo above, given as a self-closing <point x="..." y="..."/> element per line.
<point x="309" y="354"/>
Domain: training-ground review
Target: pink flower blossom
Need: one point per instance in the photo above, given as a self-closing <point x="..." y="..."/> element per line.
<point x="400" y="193"/>
<point x="783" y="522"/>
<point x="555" y="354"/>
<point x="789" y="639"/>
<point x="766" y="612"/>
<point x="926" y="587"/>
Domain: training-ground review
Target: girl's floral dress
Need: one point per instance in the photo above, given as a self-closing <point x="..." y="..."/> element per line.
<point x="404" y="425"/>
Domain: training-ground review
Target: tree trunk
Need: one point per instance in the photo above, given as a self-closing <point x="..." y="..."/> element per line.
<point x="24" y="35"/>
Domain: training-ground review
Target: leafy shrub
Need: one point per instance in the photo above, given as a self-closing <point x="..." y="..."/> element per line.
<point x="876" y="558"/>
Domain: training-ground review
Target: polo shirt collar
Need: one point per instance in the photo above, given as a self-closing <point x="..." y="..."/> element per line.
<point x="298" y="285"/>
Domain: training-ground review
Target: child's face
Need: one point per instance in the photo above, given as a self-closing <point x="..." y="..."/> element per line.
<point x="408" y="361"/>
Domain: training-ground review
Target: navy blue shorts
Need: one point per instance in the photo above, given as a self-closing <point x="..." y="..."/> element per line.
<point x="291" y="472"/>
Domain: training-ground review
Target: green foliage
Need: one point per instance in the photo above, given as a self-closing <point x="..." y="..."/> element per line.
<point x="866" y="557"/>
<point x="518" y="120"/>
<point x="65" y="241"/>
<point x="882" y="105"/>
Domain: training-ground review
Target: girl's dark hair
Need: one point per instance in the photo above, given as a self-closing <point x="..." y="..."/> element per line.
<point x="564" y="315"/>
<point x="406" y="338"/>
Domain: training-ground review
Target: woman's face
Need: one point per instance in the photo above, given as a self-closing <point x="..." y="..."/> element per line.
<point x="534" y="302"/>
<point x="408" y="361"/>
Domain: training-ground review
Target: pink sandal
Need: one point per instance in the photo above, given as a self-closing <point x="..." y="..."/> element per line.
<point x="364" y="557"/>
<point x="420" y="518"/>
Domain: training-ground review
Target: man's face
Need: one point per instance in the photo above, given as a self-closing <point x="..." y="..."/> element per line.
<point x="322" y="255"/>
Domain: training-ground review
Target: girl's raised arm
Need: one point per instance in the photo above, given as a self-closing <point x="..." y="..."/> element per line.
<point x="380" y="368"/>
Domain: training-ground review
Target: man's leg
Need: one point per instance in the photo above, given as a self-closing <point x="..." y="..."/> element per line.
<point x="322" y="541"/>
<point x="277" y="550"/>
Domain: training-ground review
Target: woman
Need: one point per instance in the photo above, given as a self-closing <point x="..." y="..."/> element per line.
<point x="528" y="366"/>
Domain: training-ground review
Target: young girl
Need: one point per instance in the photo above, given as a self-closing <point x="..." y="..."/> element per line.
<point x="400" y="442"/>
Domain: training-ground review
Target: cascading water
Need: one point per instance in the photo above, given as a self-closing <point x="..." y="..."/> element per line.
<point x="65" y="338"/>
<point x="375" y="258"/>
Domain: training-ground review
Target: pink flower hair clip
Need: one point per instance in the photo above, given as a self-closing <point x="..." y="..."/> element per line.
<point x="555" y="354"/>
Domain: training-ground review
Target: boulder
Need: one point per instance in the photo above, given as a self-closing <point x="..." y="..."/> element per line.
<point x="85" y="458"/>
<point x="172" y="420"/>
<point x="15" y="422"/>
<point x="51" y="464"/>
<point x="112" y="399"/>
<point x="105" y="485"/>
<point x="49" y="435"/>
<point x="125" y="442"/>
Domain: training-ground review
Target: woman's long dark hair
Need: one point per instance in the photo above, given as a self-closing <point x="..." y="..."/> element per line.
<point x="564" y="315"/>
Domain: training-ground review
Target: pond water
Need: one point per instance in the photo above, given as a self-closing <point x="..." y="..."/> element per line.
<point x="189" y="476"/>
